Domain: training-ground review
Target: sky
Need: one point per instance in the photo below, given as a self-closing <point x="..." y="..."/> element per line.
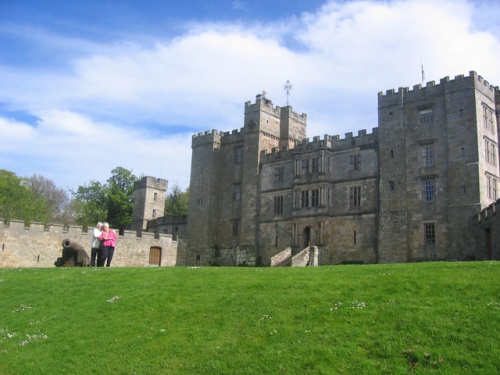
<point x="88" y="86"/>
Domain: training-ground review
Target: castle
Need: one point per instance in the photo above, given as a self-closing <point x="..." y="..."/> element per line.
<point x="414" y="189"/>
<point x="422" y="186"/>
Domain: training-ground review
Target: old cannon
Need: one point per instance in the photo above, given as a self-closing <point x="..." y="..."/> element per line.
<point x="73" y="255"/>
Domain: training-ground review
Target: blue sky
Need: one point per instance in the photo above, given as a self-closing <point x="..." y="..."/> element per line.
<point x="87" y="86"/>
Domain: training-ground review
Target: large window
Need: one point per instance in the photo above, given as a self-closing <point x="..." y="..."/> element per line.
<point x="315" y="165"/>
<point x="278" y="205"/>
<point x="305" y="167"/>
<point x="355" y="162"/>
<point x="491" y="187"/>
<point x="429" y="233"/>
<point x="428" y="155"/>
<point x="426" y="116"/>
<point x="238" y="155"/>
<point x="304" y="199"/>
<point x="488" y="118"/>
<point x="428" y="190"/>
<point x="279" y="173"/>
<point x="355" y="196"/>
<point x="315" y="198"/>
<point x="490" y="151"/>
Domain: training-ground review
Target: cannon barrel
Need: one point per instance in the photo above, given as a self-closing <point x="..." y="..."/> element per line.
<point x="73" y="255"/>
<point x="72" y="245"/>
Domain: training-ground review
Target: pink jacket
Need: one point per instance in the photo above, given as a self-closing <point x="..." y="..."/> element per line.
<point x="108" y="238"/>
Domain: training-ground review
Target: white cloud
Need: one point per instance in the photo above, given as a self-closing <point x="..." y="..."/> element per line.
<point x="72" y="149"/>
<point x="200" y="80"/>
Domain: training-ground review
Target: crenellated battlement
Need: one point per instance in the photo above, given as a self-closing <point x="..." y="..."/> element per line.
<point x="331" y="142"/>
<point x="236" y="135"/>
<point x="151" y="182"/>
<point x="458" y="83"/>
<point x="487" y="213"/>
<point x="266" y="105"/>
<point x="18" y="226"/>
<point x="37" y="245"/>
<point x="207" y="137"/>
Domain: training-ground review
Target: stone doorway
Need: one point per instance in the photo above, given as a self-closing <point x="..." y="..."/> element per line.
<point x="155" y="256"/>
<point x="307" y="237"/>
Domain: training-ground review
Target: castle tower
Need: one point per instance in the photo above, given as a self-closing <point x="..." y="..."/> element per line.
<point x="438" y="167"/>
<point x="149" y="201"/>
<point x="224" y="187"/>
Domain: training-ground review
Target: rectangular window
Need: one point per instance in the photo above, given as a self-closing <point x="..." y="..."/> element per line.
<point x="278" y="205"/>
<point x="491" y="187"/>
<point x="304" y="201"/>
<point x="355" y="196"/>
<point x="305" y="167"/>
<point x="426" y="116"/>
<point x="429" y="233"/>
<point x="236" y="227"/>
<point x="238" y="155"/>
<point x="428" y="190"/>
<point x="315" y="165"/>
<point x="236" y="192"/>
<point x="488" y="118"/>
<point x="355" y="162"/>
<point x="428" y="155"/>
<point x="279" y="173"/>
<point x="490" y="152"/>
<point x="315" y="198"/>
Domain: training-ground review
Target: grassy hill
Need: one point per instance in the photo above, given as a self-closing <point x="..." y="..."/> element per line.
<point x="371" y="319"/>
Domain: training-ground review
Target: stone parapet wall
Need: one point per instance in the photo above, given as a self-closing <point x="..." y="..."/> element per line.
<point x="40" y="246"/>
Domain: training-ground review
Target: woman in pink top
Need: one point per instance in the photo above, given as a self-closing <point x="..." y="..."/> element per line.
<point x="108" y="238"/>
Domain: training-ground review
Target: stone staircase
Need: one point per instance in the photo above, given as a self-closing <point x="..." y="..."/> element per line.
<point x="307" y="257"/>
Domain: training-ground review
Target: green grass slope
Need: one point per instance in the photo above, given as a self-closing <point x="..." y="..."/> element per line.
<point x="441" y="318"/>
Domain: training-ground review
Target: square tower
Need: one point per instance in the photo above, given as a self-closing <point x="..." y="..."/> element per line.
<point x="149" y="201"/>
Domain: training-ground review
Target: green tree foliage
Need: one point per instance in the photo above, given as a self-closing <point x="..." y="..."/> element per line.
<point x="120" y="198"/>
<point x="177" y="201"/>
<point x="112" y="202"/>
<point x="31" y="199"/>
<point x="14" y="196"/>
<point x="90" y="203"/>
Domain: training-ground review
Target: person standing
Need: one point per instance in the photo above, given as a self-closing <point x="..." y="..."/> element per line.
<point x="108" y="237"/>
<point x="96" y="245"/>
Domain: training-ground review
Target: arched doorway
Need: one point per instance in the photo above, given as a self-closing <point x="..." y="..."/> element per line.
<point x="155" y="256"/>
<point x="307" y="237"/>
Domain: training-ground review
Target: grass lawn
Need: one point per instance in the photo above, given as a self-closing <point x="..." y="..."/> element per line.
<point x="441" y="318"/>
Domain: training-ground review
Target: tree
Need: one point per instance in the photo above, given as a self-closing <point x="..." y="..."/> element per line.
<point x="112" y="202"/>
<point x="90" y="203"/>
<point x="30" y="199"/>
<point x="177" y="201"/>
<point x="52" y="203"/>
<point x="120" y="202"/>
<point x="14" y="196"/>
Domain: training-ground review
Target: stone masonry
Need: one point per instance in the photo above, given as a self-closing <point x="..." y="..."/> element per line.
<point x="408" y="191"/>
<point x="40" y="246"/>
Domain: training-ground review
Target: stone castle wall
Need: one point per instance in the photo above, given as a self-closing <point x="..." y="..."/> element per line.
<point x="486" y="227"/>
<point x="40" y="246"/>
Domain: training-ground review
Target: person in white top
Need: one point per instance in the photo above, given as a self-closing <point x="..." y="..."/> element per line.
<point x="96" y="245"/>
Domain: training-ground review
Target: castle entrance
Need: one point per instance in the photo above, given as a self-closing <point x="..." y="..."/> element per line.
<point x="155" y="256"/>
<point x="307" y="237"/>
